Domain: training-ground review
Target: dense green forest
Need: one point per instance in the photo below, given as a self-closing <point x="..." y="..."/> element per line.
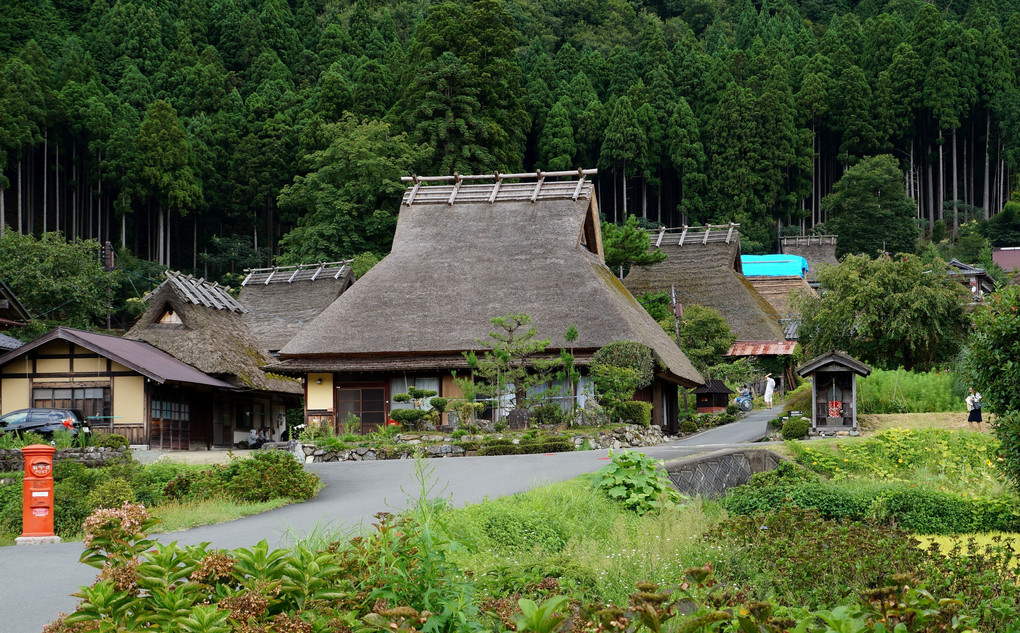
<point x="231" y="133"/>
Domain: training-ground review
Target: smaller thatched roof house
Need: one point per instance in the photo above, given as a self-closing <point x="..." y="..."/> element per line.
<point x="283" y="299"/>
<point x="704" y="265"/>
<point x="200" y="323"/>
<point x="818" y="250"/>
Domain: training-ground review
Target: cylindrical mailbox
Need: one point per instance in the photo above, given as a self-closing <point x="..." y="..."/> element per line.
<point x="37" y="504"/>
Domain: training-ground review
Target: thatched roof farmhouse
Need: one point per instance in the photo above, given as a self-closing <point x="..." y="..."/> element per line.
<point x="466" y="249"/>
<point x="703" y="263"/>
<point x="279" y="301"/>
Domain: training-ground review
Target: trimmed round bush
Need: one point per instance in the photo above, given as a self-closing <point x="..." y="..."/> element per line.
<point x="795" y="428"/>
<point x="688" y="425"/>
<point x="636" y="412"/>
<point x="109" y="440"/>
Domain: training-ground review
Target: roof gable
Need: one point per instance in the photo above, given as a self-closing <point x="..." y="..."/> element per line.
<point x="833" y="359"/>
<point x="215" y="340"/>
<point x="198" y="291"/>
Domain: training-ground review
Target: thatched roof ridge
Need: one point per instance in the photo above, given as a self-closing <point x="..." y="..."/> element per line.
<point x="708" y="274"/>
<point x="780" y="291"/>
<point x="198" y="291"/>
<point x="818" y="250"/>
<point x="282" y="300"/>
<point x="214" y="341"/>
<point x="453" y="267"/>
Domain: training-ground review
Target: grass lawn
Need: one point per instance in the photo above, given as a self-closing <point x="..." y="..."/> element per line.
<point x="182" y="515"/>
<point x="873" y="423"/>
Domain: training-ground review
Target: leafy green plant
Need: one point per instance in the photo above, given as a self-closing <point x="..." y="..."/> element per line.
<point x="635" y="412"/>
<point x="795" y="428"/>
<point x="109" y="440"/>
<point x="112" y="493"/>
<point x="633" y="479"/>
<point x="269" y="475"/>
<point x="902" y="391"/>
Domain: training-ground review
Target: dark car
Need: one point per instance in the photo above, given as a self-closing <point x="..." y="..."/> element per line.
<point x="44" y="421"/>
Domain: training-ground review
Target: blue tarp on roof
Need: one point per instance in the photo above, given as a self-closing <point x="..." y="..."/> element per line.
<point x="773" y="265"/>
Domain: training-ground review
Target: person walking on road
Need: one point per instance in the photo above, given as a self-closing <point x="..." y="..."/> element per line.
<point x="974" y="403"/>
<point x="770" y="386"/>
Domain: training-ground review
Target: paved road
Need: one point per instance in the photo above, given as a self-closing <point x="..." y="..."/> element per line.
<point x="36" y="582"/>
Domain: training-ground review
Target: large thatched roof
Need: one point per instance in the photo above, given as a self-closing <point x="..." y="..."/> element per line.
<point x="818" y="250"/>
<point x="465" y="253"/>
<point x="282" y="300"/>
<point x="704" y="265"/>
<point x="205" y="330"/>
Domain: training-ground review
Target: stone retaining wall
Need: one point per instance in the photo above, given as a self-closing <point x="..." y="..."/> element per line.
<point x="12" y="461"/>
<point x="625" y="436"/>
<point x="712" y="474"/>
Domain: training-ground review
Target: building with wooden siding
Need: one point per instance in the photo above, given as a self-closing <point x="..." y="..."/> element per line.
<point x="125" y="386"/>
<point x="467" y="249"/>
<point x="279" y="301"/>
<point x="201" y="324"/>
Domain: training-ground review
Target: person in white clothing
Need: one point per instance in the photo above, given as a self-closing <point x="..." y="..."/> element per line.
<point x="770" y="386"/>
<point x="974" y="403"/>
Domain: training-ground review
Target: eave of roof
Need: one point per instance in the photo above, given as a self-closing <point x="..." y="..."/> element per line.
<point x="138" y="356"/>
<point x="833" y="357"/>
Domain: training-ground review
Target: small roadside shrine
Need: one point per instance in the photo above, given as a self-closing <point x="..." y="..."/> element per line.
<point x="713" y="396"/>
<point x="833" y="391"/>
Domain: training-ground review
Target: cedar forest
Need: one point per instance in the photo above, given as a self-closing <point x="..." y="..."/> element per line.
<point x="211" y="135"/>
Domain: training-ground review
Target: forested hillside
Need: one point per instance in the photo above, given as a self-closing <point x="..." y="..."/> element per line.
<point x="233" y="132"/>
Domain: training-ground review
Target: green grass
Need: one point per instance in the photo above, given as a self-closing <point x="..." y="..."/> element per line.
<point x="175" y="516"/>
<point x="571" y="531"/>
<point x="903" y="391"/>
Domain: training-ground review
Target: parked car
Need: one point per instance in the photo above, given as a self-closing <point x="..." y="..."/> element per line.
<point x="45" y="421"/>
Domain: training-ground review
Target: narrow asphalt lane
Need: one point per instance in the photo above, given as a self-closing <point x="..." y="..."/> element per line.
<point x="37" y="581"/>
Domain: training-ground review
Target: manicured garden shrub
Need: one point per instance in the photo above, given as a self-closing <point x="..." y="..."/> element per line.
<point x="635" y="412"/>
<point x="459" y="433"/>
<point x="688" y="425"/>
<point x="550" y="413"/>
<point x="630" y="354"/>
<point x="109" y="440"/>
<point x="270" y="475"/>
<point x="732" y="409"/>
<point x="525" y="447"/>
<point x="795" y="428"/>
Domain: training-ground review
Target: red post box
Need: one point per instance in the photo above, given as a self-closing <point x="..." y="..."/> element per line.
<point x="37" y="502"/>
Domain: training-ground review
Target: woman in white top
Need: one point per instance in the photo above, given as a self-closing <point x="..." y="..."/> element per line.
<point x="770" y="386"/>
<point x="974" y="403"/>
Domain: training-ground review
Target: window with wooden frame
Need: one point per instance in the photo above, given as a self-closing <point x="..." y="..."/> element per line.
<point x="93" y="399"/>
<point x="366" y="400"/>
